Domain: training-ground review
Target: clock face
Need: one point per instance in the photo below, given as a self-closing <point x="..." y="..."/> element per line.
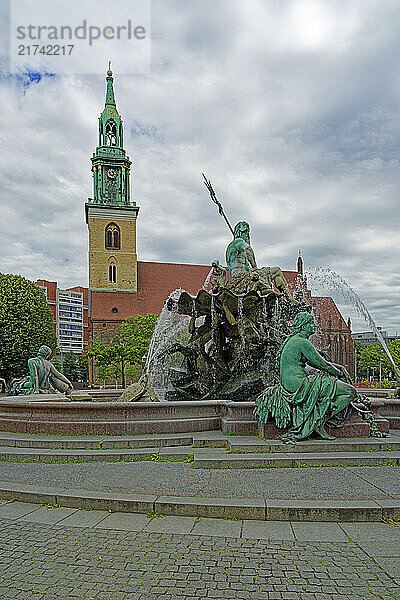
<point x="111" y="173"/>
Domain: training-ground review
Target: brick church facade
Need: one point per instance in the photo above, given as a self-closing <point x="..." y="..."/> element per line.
<point x="121" y="286"/>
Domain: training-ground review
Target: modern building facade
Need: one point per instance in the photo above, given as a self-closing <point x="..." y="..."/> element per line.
<point x="70" y="315"/>
<point x="369" y="337"/>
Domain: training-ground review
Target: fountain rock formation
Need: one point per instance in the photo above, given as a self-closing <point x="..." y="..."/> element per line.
<point x="235" y="328"/>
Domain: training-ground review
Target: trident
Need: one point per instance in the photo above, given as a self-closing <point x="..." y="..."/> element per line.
<point x="213" y="197"/>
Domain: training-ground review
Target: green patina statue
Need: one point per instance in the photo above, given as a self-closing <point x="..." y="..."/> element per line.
<point x="242" y="266"/>
<point x="43" y="377"/>
<point x="240" y="256"/>
<point x="306" y="401"/>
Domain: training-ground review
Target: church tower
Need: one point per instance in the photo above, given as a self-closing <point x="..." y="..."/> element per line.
<point x="110" y="214"/>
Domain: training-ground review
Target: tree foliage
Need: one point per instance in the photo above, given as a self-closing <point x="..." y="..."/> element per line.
<point x="124" y="355"/>
<point x="135" y="336"/>
<point x="26" y="323"/>
<point x="75" y="366"/>
<point x="371" y="356"/>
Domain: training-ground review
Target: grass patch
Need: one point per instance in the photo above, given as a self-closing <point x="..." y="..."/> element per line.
<point x="390" y="521"/>
<point x="4" y="501"/>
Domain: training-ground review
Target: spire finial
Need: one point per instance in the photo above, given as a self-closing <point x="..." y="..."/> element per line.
<point x="109" y="72"/>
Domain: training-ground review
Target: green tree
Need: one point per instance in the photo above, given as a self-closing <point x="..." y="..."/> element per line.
<point x="82" y="367"/>
<point x="124" y="355"/>
<point x="373" y="355"/>
<point x="58" y="364"/>
<point x="135" y="336"/>
<point x="109" y="360"/>
<point x="26" y="323"/>
<point x="70" y="367"/>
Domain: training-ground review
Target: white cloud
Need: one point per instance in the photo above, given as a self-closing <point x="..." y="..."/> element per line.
<point x="290" y="108"/>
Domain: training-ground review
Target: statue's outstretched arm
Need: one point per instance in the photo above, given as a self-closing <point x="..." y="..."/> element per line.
<point x="314" y="359"/>
<point x="59" y="375"/>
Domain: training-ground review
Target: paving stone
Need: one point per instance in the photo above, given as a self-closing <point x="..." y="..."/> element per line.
<point x="124" y="521"/>
<point x="14" y="510"/>
<point x="319" y="532"/>
<point x="50" y="516"/>
<point x="217" y="527"/>
<point x="380" y="548"/>
<point x="374" y="532"/>
<point x="170" y="524"/>
<point x="84" y="518"/>
<point x="273" y="530"/>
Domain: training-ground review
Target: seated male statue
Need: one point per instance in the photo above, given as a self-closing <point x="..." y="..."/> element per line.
<point x="306" y="402"/>
<point x="241" y="260"/>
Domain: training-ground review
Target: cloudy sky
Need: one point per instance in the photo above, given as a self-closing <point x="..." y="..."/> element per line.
<point x="291" y="108"/>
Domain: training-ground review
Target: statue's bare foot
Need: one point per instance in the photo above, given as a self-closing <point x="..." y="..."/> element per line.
<point x="323" y="433"/>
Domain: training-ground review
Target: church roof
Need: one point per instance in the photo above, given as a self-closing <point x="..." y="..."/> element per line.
<point x="156" y="281"/>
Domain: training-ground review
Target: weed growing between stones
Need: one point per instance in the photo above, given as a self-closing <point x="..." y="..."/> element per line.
<point x="390" y="521"/>
<point x="155" y="515"/>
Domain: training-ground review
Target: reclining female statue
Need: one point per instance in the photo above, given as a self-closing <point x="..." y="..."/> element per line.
<point x="43" y="377"/>
<point x="306" y="401"/>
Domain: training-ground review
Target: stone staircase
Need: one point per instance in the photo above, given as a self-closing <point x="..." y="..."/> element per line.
<point x="204" y="450"/>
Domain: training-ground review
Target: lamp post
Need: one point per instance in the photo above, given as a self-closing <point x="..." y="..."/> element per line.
<point x="355" y="365"/>
<point x="380" y="373"/>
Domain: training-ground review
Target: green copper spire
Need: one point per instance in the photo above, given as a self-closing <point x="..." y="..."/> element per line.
<point x="110" y="165"/>
<point x="110" y="100"/>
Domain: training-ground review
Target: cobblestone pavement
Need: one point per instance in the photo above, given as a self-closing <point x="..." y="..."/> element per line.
<point x="41" y="561"/>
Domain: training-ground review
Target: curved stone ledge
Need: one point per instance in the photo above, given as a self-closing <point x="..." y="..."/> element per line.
<point x="197" y="506"/>
<point x="25" y="415"/>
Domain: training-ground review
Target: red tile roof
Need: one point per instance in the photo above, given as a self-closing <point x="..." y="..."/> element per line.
<point x="156" y="281"/>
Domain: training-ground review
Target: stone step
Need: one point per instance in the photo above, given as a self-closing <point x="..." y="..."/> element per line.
<point x="99" y="455"/>
<point x="209" y="439"/>
<point x="244" y="444"/>
<point x="75" y="455"/>
<point x="333" y="510"/>
<point x="223" y="460"/>
<point x="21" y="440"/>
<point x="182" y="452"/>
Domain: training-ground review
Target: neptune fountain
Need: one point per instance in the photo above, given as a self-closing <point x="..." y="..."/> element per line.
<point x="247" y="339"/>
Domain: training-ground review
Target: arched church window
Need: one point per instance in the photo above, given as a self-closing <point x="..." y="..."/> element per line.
<point x="336" y="349"/>
<point x="113" y="237"/>
<point x="111" y="134"/>
<point x="112" y="273"/>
